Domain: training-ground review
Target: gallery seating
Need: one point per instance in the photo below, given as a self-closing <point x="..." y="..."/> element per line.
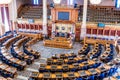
<point x="32" y="12"/>
<point x="103" y="14"/>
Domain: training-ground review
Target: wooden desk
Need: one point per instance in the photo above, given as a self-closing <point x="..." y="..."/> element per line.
<point x="36" y="75"/>
<point x="12" y="70"/>
<point x="117" y="61"/>
<point x="53" y="76"/>
<point x="10" y="41"/>
<point x="20" y="42"/>
<point x="5" y="37"/>
<point x="93" y="71"/>
<point x="34" y="35"/>
<point x="93" y="41"/>
<point x="40" y="75"/>
<point x="83" y="73"/>
<point x="76" y="74"/>
<point x="33" y="41"/>
<point x="58" y="43"/>
<point x="65" y="75"/>
<point x="8" y="69"/>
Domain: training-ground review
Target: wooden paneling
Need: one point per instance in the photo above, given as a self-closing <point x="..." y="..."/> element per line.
<point x="27" y="26"/>
<point x="77" y="33"/>
<point x="19" y="26"/>
<point x="49" y="30"/>
<point x="100" y="31"/>
<point x="23" y="26"/>
<point x="30" y="26"/>
<point x="118" y="32"/>
<point x="89" y="31"/>
<point x="94" y="31"/>
<point x="106" y="32"/>
<point x="113" y="32"/>
<point x="73" y="13"/>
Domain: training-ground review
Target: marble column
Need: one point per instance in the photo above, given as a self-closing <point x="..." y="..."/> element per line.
<point x="45" y="17"/>
<point x="0" y="23"/>
<point x="2" y="27"/>
<point x="83" y="27"/>
<point x="13" y="14"/>
<point x="53" y="30"/>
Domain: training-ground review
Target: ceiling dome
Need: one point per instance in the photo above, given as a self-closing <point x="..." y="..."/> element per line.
<point x="95" y="1"/>
<point x="5" y="1"/>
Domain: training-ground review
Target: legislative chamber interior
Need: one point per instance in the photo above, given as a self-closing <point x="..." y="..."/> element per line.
<point x="59" y="39"/>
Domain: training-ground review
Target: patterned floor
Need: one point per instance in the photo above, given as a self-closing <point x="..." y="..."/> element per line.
<point x="47" y="52"/>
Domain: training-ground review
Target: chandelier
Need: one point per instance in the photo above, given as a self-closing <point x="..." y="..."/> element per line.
<point x="95" y="2"/>
<point x="57" y="1"/>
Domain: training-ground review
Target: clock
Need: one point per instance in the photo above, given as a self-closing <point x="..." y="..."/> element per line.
<point x="57" y="1"/>
<point x="95" y="1"/>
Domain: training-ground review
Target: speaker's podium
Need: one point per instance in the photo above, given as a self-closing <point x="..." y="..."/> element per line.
<point x="59" y="42"/>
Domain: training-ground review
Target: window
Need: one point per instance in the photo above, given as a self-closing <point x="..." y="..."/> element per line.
<point x="117" y="3"/>
<point x="35" y="2"/>
<point x="70" y="2"/>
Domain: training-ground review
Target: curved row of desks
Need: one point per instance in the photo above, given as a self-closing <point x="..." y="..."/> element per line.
<point x="69" y="67"/>
<point x="56" y="70"/>
<point x="29" y="51"/>
<point x="90" y="74"/>
<point x="19" y="54"/>
<point x="11" y="62"/>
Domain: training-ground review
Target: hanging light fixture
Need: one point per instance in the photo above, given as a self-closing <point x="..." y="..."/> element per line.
<point x="95" y="2"/>
<point x="5" y="1"/>
<point x="57" y="1"/>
